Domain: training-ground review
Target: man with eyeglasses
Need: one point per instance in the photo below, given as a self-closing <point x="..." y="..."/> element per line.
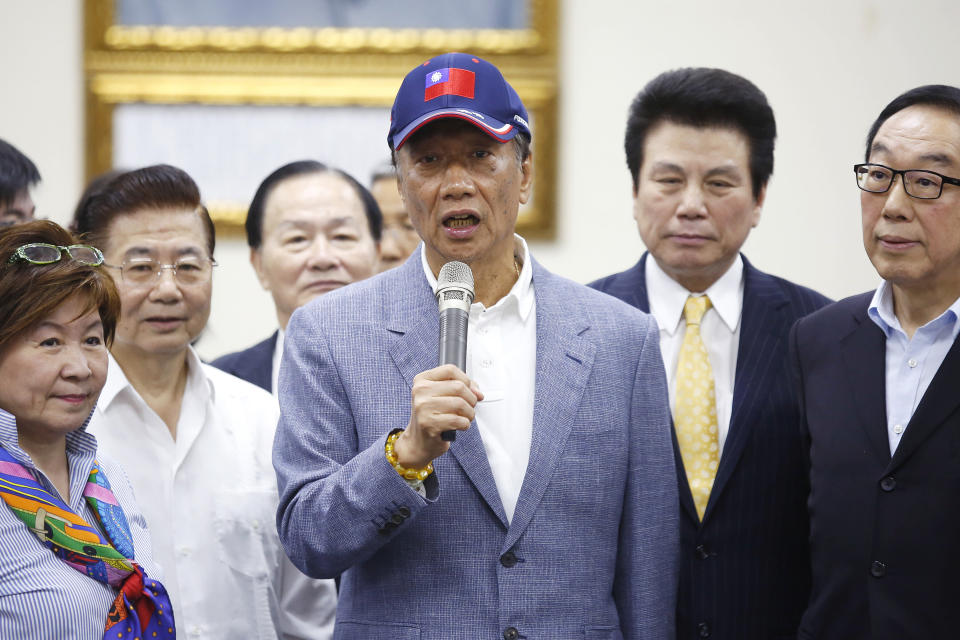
<point x="17" y="175"/>
<point x="195" y="441"/>
<point x="879" y="378"/>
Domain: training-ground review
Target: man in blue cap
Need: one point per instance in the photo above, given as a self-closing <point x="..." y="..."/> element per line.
<point x="554" y="513"/>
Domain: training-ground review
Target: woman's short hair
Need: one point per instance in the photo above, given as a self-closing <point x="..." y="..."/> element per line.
<point x="29" y="292"/>
<point x="156" y="187"/>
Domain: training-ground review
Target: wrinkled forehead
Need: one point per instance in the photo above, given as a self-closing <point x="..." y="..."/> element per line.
<point x="155" y="233"/>
<point x="926" y="136"/>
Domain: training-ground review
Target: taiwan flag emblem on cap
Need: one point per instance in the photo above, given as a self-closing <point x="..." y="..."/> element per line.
<point x="448" y="82"/>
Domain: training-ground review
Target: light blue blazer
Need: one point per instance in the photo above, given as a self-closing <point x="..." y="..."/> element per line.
<point x="591" y="551"/>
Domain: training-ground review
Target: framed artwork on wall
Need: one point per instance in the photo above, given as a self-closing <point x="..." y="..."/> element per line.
<point x="231" y="89"/>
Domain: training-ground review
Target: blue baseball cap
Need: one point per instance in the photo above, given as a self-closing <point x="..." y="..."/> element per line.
<point x="457" y="85"/>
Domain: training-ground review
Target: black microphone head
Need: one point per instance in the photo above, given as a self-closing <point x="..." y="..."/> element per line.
<point x="455" y="285"/>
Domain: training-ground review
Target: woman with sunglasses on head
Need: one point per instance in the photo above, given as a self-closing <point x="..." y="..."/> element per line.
<point x="203" y="438"/>
<point x="75" y="554"/>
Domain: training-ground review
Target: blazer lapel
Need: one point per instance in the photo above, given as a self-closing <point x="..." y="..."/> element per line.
<point x="564" y="363"/>
<point x="863" y="353"/>
<point x="763" y="331"/>
<point x="639" y="297"/>
<point x="941" y="399"/>
<point x="416" y="321"/>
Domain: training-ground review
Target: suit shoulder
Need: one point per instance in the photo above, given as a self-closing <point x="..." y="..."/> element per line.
<point x="602" y="311"/>
<point x="234" y="362"/>
<point x="617" y="282"/>
<point x="832" y="319"/>
<point x="347" y="301"/>
<point x="804" y="300"/>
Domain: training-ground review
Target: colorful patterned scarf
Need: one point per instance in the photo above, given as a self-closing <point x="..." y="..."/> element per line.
<point x="142" y="608"/>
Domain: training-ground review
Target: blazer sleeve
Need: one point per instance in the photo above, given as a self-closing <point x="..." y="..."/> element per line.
<point x="645" y="586"/>
<point x="338" y="504"/>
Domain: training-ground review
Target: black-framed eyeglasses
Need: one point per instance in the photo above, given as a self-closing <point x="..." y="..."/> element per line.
<point x="146" y="271"/>
<point x="918" y="183"/>
<point x="43" y="253"/>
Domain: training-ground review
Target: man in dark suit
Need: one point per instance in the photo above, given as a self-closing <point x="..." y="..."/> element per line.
<point x="880" y="394"/>
<point x="699" y="147"/>
<point x="311" y="229"/>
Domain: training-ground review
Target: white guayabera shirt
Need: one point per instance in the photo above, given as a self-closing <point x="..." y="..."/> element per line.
<point x="210" y="500"/>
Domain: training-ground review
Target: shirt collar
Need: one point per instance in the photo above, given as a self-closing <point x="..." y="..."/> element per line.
<point x="521" y="293"/>
<point x="78" y="440"/>
<point x="117" y="381"/>
<point x="882" y="314"/>
<point x="667" y="296"/>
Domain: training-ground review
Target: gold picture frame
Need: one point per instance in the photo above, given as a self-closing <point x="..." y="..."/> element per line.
<point x="326" y="67"/>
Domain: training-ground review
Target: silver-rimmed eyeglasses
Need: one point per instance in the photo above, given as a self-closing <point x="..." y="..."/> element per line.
<point x="146" y="271"/>
<point x="43" y="253"/>
<point x="918" y="183"/>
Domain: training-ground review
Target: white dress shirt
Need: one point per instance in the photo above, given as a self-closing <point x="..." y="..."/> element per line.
<point x="277" y="356"/>
<point x="502" y="361"/>
<point x="210" y="499"/>
<point x="719" y="328"/>
<point x="911" y="363"/>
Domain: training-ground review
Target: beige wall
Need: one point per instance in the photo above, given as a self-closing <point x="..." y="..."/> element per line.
<point x="827" y="67"/>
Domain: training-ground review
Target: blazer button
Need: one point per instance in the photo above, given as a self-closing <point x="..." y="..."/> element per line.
<point x="510" y="634"/>
<point x="703" y="630"/>
<point x="888" y="484"/>
<point x="397" y="518"/>
<point x="508" y="559"/>
<point x="404" y="511"/>
<point x="702" y="552"/>
<point x="878" y="569"/>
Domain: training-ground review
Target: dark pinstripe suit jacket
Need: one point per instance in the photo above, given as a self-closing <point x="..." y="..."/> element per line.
<point x="745" y="571"/>
<point x="255" y="365"/>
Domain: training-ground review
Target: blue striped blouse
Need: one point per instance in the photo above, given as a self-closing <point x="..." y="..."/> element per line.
<point x="40" y="595"/>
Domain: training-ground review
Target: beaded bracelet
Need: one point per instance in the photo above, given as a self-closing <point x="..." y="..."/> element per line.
<point x="406" y="474"/>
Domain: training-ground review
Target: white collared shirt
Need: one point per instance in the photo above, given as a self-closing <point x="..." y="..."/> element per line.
<point x="911" y="363"/>
<point x="210" y="499"/>
<point x="502" y="361"/>
<point x="719" y="328"/>
<point x="275" y="371"/>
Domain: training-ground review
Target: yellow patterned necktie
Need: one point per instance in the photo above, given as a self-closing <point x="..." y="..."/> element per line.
<point x="695" y="413"/>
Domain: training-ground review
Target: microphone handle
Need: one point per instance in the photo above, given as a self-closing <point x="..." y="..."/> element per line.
<point x="453" y="346"/>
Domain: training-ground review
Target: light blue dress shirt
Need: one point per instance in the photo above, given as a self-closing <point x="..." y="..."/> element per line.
<point x="41" y="597"/>
<point x="911" y="363"/>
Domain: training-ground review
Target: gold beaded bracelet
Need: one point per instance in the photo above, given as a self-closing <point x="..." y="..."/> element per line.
<point x="406" y="474"/>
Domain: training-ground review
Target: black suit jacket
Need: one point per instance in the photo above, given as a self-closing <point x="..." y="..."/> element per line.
<point x="745" y="570"/>
<point x="884" y="531"/>
<point x="255" y="365"/>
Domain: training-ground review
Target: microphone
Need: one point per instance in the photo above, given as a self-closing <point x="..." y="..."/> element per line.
<point x="454" y="297"/>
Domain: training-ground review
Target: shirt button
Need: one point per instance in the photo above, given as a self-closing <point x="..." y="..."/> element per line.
<point x="912" y="363"/>
<point x="898" y="429"/>
<point x="878" y="569"/>
<point x="183" y="552"/>
<point x="486" y="362"/>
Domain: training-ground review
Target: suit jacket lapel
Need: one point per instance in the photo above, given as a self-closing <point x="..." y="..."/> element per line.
<point x="763" y="331"/>
<point x="863" y="352"/>
<point x="941" y="399"/>
<point x="413" y="316"/>
<point x="637" y="282"/>
<point x="564" y="363"/>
